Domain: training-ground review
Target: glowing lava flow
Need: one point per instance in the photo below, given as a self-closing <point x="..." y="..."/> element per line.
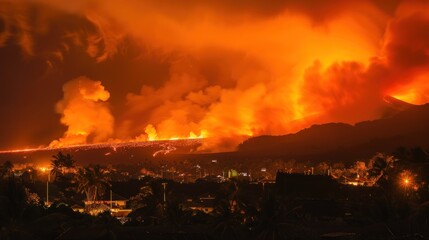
<point x="155" y="143"/>
<point x="21" y="150"/>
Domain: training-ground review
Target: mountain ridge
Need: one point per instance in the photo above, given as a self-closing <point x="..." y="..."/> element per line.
<point x="407" y="128"/>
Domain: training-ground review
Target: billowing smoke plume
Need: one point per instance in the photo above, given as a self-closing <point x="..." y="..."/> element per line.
<point x="84" y="112"/>
<point x="227" y="70"/>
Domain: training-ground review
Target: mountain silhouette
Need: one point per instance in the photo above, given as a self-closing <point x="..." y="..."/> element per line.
<point x="340" y="141"/>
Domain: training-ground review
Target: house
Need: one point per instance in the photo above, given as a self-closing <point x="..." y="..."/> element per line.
<point x="204" y="203"/>
<point x="78" y="208"/>
<point x="114" y="201"/>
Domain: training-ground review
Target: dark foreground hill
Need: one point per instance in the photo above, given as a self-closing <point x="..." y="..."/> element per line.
<point x="339" y="141"/>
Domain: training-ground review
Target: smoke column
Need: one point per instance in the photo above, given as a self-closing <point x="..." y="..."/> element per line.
<point x="85" y="113"/>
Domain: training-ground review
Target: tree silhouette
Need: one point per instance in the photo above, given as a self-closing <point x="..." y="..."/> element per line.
<point x="7" y="169"/>
<point x="275" y="219"/>
<point x="13" y="201"/>
<point x="227" y="222"/>
<point x="420" y="218"/>
<point x="55" y="169"/>
<point x="269" y="219"/>
<point x="63" y="161"/>
<point x="92" y="181"/>
<point x="148" y="205"/>
<point x="228" y="192"/>
<point x="143" y="198"/>
<point x="176" y="216"/>
<point x="379" y="165"/>
<point x="59" y="163"/>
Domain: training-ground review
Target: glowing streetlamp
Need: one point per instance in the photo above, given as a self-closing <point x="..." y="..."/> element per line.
<point x="406" y="181"/>
<point x="47" y="170"/>
<point x="406" y="184"/>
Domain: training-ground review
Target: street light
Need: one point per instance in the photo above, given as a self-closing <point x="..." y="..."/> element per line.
<point x="48" y="171"/>
<point x="406" y="181"/>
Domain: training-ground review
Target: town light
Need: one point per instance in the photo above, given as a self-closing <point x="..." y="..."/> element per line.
<point x="406" y="178"/>
<point x="406" y="181"/>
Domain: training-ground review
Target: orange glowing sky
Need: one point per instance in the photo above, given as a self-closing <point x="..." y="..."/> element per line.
<point x="88" y="71"/>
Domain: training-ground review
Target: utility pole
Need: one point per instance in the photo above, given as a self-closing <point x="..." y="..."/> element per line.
<point x="163" y="186"/>
<point x="111" y="199"/>
<point x="47" y="189"/>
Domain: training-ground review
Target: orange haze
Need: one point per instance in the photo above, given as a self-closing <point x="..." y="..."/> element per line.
<point x="238" y="68"/>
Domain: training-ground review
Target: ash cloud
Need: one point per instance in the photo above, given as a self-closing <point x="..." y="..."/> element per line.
<point x="226" y="70"/>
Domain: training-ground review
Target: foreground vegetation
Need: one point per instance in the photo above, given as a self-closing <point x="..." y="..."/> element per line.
<point x="395" y="207"/>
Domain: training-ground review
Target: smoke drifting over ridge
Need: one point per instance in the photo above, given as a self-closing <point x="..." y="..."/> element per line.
<point x="225" y="70"/>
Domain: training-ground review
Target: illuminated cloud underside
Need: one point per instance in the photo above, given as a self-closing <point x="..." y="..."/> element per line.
<point x="222" y="70"/>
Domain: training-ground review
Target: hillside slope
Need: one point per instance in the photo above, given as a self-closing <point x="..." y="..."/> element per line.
<point x="408" y="128"/>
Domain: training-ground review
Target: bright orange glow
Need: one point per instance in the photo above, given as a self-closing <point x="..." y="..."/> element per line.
<point x="84" y="113"/>
<point x="151" y="133"/>
<point x="415" y="92"/>
<point x="406" y="181"/>
<point x="227" y="71"/>
<point x="272" y="86"/>
<point x="44" y="169"/>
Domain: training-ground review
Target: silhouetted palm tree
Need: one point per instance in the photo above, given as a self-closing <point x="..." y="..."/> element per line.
<point x="67" y="160"/>
<point x="92" y="181"/>
<point x="55" y="169"/>
<point x="148" y="204"/>
<point x="60" y="162"/>
<point x="379" y="165"/>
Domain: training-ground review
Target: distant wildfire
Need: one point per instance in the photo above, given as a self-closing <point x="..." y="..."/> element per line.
<point x="233" y="69"/>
